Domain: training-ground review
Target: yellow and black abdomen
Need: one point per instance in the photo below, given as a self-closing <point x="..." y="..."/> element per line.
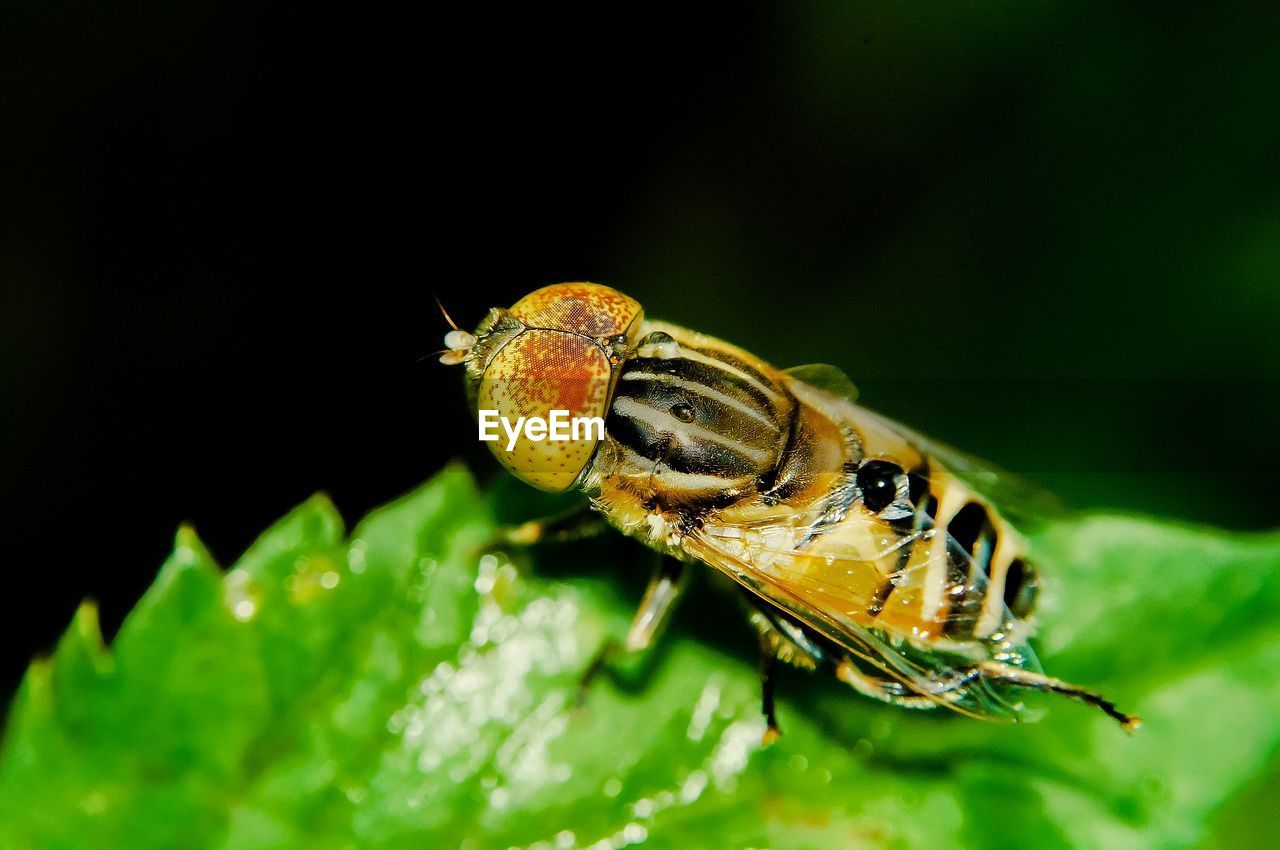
<point x="942" y="562"/>
<point x="959" y="572"/>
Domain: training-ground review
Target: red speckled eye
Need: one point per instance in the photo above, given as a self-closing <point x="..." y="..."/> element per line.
<point x="563" y="360"/>
<point x="583" y="308"/>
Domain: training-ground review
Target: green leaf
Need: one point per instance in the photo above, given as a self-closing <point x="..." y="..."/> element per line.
<point x="404" y="686"/>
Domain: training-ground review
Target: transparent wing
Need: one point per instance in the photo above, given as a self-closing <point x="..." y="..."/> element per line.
<point x="1014" y="496"/>
<point x="834" y="592"/>
<point x="825" y="377"/>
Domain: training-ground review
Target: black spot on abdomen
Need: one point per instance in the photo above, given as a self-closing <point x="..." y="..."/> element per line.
<point x="1021" y="586"/>
<point x="969" y="524"/>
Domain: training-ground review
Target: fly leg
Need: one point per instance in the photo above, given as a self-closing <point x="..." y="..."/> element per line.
<point x="893" y="691"/>
<point x="650" y="618"/>
<point x="781" y="639"/>
<point x="577" y="523"/>
<point x="768" y="663"/>
<point x="955" y="688"/>
<point x="1003" y="674"/>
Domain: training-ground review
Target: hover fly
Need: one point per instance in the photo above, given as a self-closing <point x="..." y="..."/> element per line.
<point x="863" y="550"/>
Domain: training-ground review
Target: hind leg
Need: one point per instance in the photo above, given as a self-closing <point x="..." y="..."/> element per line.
<point x="955" y="688"/>
<point x="898" y="693"/>
<point x="1003" y="674"/>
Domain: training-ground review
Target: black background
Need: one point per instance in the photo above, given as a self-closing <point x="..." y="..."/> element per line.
<point x="1050" y="236"/>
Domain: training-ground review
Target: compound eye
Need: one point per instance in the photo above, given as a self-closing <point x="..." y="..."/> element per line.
<point x="538" y="374"/>
<point x="879" y="482"/>
<point x="588" y="309"/>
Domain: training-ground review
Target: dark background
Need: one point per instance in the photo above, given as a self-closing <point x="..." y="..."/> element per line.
<point x="1049" y="235"/>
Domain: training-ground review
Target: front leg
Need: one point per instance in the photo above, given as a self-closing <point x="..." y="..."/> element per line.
<point x="653" y="614"/>
<point x="577" y="523"/>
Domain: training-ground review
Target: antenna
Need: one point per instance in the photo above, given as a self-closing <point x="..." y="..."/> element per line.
<point x="445" y="312"/>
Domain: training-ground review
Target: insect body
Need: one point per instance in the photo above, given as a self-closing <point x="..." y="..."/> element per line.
<point x="863" y="549"/>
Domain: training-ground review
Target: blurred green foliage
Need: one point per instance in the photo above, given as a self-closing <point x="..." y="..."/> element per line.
<point x="401" y="688"/>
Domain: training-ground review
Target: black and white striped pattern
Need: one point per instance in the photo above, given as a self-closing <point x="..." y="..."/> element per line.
<point x="702" y="419"/>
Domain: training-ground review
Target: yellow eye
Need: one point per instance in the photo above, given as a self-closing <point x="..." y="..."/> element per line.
<point x="558" y="369"/>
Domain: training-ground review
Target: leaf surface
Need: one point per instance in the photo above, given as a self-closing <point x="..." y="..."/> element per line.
<point x="404" y="686"/>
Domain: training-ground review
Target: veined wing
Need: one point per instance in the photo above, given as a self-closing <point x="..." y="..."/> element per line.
<point x="836" y="592"/>
<point x="1012" y="495"/>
